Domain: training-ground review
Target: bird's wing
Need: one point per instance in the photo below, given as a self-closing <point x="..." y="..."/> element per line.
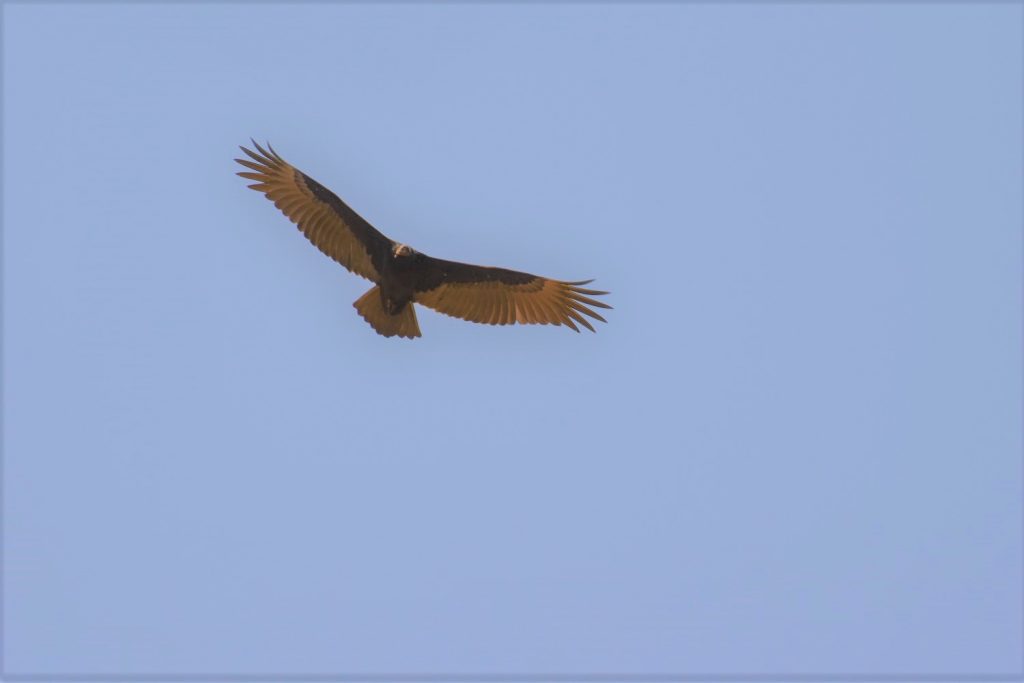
<point x="497" y="296"/>
<point x="329" y="223"/>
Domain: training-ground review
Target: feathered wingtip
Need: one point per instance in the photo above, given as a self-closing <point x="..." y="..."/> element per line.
<point x="264" y="157"/>
<point x="578" y="301"/>
<point x="262" y="164"/>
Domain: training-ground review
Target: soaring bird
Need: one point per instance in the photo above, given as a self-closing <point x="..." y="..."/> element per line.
<point x="403" y="276"/>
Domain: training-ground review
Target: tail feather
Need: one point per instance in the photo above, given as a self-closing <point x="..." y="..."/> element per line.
<point x="403" y="323"/>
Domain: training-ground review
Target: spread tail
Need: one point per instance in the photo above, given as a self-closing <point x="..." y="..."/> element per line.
<point x="403" y="323"/>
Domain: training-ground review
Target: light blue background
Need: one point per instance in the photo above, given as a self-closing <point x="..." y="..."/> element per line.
<point x="796" y="446"/>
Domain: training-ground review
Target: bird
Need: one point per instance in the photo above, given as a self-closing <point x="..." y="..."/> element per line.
<point x="403" y="276"/>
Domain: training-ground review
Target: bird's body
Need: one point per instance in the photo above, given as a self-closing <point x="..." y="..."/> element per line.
<point x="398" y="280"/>
<point x="404" y="276"/>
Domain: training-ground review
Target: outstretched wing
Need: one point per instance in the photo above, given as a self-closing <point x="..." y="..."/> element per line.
<point x="497" y="296"/>
<point x="323" y="218"/>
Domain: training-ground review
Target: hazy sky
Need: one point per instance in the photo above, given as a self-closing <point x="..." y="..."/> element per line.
<point x="794" y="448"/>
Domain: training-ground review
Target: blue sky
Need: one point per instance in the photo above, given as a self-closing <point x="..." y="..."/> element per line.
<point x="794" y="448"/>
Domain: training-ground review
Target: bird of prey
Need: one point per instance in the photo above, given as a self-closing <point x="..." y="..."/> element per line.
<point x="404" y="276"/>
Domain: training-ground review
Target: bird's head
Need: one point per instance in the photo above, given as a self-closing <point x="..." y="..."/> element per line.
<point x="402" y="251"/>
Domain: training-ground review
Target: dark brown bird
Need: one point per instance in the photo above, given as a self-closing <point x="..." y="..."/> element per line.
<point x="404" y="276"/>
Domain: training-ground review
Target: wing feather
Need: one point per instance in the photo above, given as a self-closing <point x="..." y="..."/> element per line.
<point x="533" y="311"/>
<point x="326" y="221"/>
<point x="502" y="310"/>
<point x="579" y="318"/>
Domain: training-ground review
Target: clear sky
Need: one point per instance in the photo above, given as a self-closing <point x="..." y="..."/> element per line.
<point x="794" y="448"/>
